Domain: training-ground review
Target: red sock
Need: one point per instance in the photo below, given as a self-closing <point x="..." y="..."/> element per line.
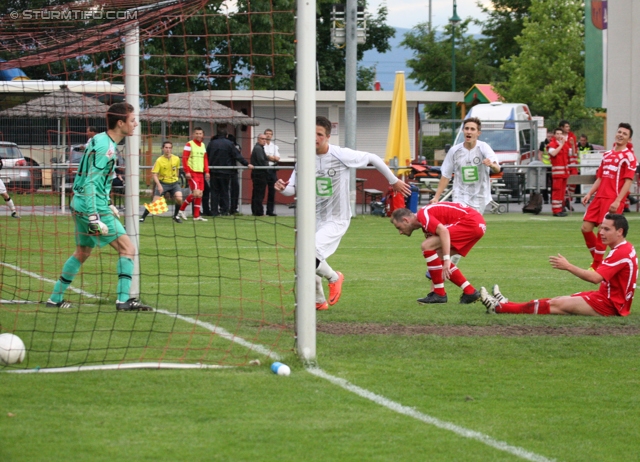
<point x="533" y="307"/>
<point x="599" y="252"/>
<point x="434" y="265"/>
<point x="458" y="279"/>
<point x="197" y="202"/>
<point x="590" y="240"/>
<point x="186" y="202"/>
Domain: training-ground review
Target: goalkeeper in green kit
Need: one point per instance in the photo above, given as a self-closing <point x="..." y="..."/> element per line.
<point x="96" y="220"/>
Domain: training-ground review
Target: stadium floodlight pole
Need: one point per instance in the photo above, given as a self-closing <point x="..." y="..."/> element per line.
<point x="306" y="181"/>
<point x="132" y="148"/>
<point x="351" y="88"/>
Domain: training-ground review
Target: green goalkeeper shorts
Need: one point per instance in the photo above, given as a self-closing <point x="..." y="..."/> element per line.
<point x="85" y="239"/>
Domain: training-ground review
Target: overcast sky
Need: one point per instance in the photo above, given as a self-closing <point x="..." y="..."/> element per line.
<point x="408" y="13"/>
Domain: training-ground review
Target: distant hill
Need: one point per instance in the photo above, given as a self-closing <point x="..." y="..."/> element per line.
<point x="388" y="63"/>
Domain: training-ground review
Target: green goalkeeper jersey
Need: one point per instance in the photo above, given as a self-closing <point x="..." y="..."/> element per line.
<point x="92" y="184"/>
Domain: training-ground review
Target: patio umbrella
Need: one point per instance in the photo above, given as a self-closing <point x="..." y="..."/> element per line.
<point x="196" y="109"/>
<point x="62" y="104"/>
<point x="398" y="150"/>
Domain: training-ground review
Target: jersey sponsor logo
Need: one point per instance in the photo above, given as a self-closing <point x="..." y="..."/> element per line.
<point x="470" y="174"/>
<point x="324" y="187"/>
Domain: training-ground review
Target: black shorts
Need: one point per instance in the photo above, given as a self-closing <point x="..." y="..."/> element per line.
<point x="171" y="188"/>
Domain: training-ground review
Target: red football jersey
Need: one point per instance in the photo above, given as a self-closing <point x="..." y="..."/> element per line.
<point x="560" y="161"/>
<point x="616" y="166"/>
<point x="447" y="213"/>
<point x="620" y="271"/>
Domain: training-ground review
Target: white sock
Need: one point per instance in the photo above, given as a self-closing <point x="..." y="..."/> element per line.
<point x="11" y="205"/>
<point x="320" y="298"/>
<point x="326" y="271"/>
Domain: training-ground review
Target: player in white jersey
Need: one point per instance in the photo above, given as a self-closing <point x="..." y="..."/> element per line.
<point x="333" y="209"/>
<point x="472" y="163"/>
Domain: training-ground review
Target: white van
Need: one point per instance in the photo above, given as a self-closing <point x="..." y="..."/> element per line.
<point x="507" y="128"/>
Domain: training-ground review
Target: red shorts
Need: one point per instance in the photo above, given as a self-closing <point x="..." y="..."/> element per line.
<point x="466" y="233"/>
<point x="598" y="209"/>
<point x="600" y="303"/>
<point x="196" y="181"/>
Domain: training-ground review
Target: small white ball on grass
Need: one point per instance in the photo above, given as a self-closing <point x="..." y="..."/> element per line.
<point x="12" y="349"/>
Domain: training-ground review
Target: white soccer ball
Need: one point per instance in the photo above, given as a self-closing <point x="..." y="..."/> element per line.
<point x="12" y="349"/>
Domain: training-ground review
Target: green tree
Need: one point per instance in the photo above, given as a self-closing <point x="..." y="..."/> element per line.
<point x="505" y="20"/>
<point x="431" y="65"/>
<point x="548" y="74"/>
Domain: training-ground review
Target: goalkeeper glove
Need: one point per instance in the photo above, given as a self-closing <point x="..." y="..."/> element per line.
<point x="96" y="226"/>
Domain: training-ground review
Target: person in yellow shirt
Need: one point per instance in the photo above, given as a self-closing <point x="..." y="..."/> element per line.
<point x="165" y="177"/>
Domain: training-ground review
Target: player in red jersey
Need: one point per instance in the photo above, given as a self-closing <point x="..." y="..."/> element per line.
<point x="196" y="168"/>
<point x="572" y="158"/>
<point x="558" y="149"/>
<point x="450" y="229"/>
<point x="617" y="278"/>
<point x="614" y="179"/>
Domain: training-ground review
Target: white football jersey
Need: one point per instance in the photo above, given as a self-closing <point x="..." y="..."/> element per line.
<point x="472" y="183"/>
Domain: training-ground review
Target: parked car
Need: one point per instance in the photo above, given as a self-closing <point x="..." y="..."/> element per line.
<point x="13" y="176"/>
<point x="66" y="168"/>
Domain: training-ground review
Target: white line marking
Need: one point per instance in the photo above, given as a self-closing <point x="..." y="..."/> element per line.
<point x="399" y="408"/>
<point x="41" y="278"/>
<point x="224" y="334"/>
<point x="380" y="400"/>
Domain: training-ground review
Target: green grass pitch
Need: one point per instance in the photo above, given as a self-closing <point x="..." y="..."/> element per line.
<point x="564" y="388"/>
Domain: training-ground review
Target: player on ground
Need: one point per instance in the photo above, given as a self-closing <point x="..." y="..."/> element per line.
<point x="95" y="219"/>
<point x="333" y="210"/>
<point x="450" y="229"/>
<point x="616" y="275"/>
<point x="165" y="176"/>
<point x="196" y="168"/>
<point x="614" y="178"/>
<point x="7" y="198"/>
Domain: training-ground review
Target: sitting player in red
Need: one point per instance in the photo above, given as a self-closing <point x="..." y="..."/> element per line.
<point x="609" y="192"/>
<point x="616" y="275"/>
<point x="450" y="229"/>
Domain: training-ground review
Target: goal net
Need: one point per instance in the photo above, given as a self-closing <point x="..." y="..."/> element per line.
<point x="222" y="290"/>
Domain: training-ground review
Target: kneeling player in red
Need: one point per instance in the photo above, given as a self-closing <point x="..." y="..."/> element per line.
<point x="450" y="229"/>
<point x="616" y="275"/>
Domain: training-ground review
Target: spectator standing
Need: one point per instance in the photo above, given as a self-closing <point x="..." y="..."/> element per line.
<point x="616" y="276"/>
<point x="259" y="177"/>
<point x="573" y="159"/>
<point x="234" y="187"/>
<point x="546" y="160"/>
<point x="165" y="173"/>
<point x="196" y="169"/>
<point x="222" y="152"/>
<point x="613" y="181"/>
<point x="558" y="150"/>
<point x="273" y="155"/>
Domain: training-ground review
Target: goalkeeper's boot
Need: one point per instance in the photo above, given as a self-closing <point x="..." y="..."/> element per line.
<point x="15" y="215"/>
<point x="433" y="298"/>
<point x="498" y="295"/>
<point x="61" y="304"/>
<point x="467" y="299"/>
<point x="335" y="289"/>
<point x="322" y="306"/>
<point x="132" y="304"/>
<point x="488" y="301"/>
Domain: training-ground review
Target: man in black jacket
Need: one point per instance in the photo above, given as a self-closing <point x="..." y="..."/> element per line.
<point x="259" y="177"/>
<point x="222" y="153"/>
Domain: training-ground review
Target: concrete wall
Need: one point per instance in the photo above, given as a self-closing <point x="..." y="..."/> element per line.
<point x="623" y="49"/>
